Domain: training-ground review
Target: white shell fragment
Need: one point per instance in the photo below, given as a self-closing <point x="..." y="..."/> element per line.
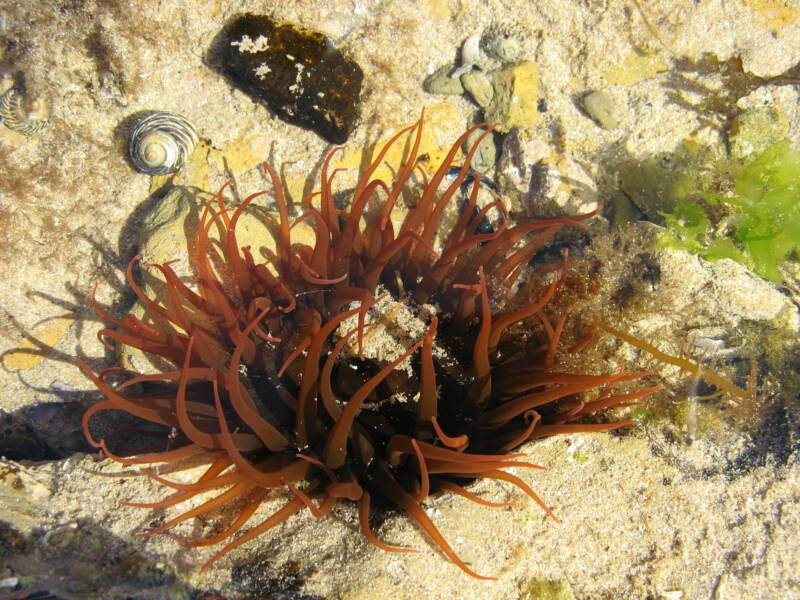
<point x="20" y="114"/>
<point x="470" y="55"/>
<point x="161" y="142"/>
<point x="471" y="50"/>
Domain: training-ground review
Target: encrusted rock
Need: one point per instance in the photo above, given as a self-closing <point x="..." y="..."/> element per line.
<point x="679" y="270"/>
<point x="298" y="72"/>
<point x="23" y="502"/>
<point x="516" y="94"/>
<point x="757" y="129"/>
<point x="547" y="590"/>
<point x="656" y="184"/>
<point x="723" y="288"/>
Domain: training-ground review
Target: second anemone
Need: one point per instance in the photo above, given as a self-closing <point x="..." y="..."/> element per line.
<point x="269" y="381"/>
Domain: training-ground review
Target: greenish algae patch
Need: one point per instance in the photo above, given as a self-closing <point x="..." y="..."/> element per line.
<point x="546" y="590"/>
<point x="657" y="184"/>
<point x="759" y="224"/>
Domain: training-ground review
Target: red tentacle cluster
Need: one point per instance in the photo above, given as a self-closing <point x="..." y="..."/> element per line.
<point x="255" y="348"/>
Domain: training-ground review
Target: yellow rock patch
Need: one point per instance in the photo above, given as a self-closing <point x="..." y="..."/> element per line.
<point x="438" y="9"/>
<point x="244" y="154"/>
<point x="37" y="344"/>
<point x="516" y="95"/>
<point x="634" y="68"/>
<point x="774" y="13"/>
<point x="437" y="138"/>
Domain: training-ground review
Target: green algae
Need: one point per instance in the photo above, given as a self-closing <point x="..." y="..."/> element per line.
<point x="547" y="590"/>
<point x="758" y="224"/>
<point x="659" y="183"/>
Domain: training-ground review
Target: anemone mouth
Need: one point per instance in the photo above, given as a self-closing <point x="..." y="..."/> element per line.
<point x="272" y="377"/>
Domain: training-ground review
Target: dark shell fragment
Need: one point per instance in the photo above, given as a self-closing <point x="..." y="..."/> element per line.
<point x="297" y="72"/>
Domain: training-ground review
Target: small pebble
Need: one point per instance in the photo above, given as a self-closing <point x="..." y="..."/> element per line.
<point x="471" y="50"/>
<point x="479" y="87"/>
<point x="485" y="156"/>
<point x="601" y="108"/>
<point x="8" y="582"/>
<point x="440" y="82"/>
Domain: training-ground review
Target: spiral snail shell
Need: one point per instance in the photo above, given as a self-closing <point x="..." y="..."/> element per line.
<point x="19" y="113"/>
<point x="161" y="142"/>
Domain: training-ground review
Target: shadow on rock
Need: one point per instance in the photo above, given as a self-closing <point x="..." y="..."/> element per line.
<point x="81" y="560"/>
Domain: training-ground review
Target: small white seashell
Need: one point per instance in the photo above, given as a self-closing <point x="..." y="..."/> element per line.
<point x="161" y="142"/>
<point x="470" y="55"/>
<point x="20" y="115"/>
<point x="471" y="50"/>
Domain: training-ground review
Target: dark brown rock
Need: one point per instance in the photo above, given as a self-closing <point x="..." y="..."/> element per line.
<point x="297" y="72"/>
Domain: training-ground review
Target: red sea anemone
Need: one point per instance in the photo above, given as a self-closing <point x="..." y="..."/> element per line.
<point x="258" y="355"/>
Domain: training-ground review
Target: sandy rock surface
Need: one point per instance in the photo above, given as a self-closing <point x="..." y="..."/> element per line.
<point x="644" y="514"/>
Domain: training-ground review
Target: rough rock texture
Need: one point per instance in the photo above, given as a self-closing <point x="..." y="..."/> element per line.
<point x="514" y="101"/>
<point x="643" y="516"/>
<point x="744" y="294"/>
<point x="635" y="524"/>
<point x="298" y="72"/>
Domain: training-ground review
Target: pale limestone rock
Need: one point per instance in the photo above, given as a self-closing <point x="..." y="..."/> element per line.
<point x="743" y="294"/>
<point x="724" y="288"/>
<point x="684" y="272"/>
